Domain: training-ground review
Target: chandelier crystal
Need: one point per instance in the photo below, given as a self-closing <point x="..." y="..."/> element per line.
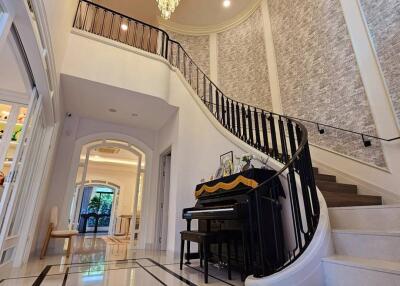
<point x="167" y="7"/>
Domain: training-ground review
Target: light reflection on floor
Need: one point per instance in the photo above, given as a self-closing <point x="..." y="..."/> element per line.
<point x="100" y="261"/>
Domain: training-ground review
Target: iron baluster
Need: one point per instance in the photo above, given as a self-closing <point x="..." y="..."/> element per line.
<point x="238" y="127"/>
<point x="275" y="151"/>
<point x="94" y="20"/>
<point x="244" y="132"/>
<point x="257" y="129"/>
<point x="228" y="115"/>
<point x="217" y="103"/>
<point x="233" y="119"/>
<point x="285" y="157"/>
<point x="265" y="133"/>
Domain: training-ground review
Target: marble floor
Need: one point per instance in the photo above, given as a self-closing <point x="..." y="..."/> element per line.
<point x="104" y="261"/>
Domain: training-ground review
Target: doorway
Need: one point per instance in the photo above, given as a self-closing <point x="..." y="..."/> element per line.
<point x="163" y="200"/>
<point x="96" y="209"/>
<point x="108" y="191"/>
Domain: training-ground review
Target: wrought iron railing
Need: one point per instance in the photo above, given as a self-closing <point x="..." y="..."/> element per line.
<point x="280" y="137"/>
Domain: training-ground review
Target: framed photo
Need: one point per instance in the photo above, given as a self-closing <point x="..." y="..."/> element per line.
<point x="226" y="163"/>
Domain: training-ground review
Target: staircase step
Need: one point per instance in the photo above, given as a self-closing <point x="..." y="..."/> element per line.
<point x="350" y="271"/>
<point x="336" y="187"/>
<point x="384" y="217"/>
<point x="372" y="244"/>
<point x="339" y="199"/>
<point x="323" y="177"/>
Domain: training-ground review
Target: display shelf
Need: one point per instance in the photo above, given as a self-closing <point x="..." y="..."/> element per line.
<point x="5" y="122"/>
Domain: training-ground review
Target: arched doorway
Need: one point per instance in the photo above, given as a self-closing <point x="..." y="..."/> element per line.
<point x="97" y="209"/>
<point x="109" y="165"/>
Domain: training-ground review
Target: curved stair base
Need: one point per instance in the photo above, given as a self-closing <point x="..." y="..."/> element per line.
<point x="309" y="262"/>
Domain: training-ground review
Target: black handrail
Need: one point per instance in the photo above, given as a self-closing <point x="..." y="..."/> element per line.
<point x="280" y="137"/>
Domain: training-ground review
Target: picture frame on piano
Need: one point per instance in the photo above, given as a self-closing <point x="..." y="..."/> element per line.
<point x="226" y="163"/>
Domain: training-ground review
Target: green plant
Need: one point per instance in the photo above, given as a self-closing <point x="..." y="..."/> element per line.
<point x="95" y="204"/>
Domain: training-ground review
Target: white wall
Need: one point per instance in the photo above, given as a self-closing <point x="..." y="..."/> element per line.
<point x="92" y="60"/>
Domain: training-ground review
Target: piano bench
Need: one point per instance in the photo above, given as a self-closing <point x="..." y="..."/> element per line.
<point x="204" y="239"/>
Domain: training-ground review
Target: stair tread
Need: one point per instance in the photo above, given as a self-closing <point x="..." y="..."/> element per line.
<point x="368" y="232"/>
<point x="367" y="207"/>
<point x="365" y="263"/>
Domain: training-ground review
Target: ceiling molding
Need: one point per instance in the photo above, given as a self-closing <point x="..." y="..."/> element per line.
<point x="206" y="30"/>
<point x="13" y="96"/>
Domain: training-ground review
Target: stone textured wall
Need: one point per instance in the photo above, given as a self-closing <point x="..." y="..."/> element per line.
<point x="383" y="19"/>
<point x="242" y="63"/>
<point x="319" y="76"/>
<point x="198" y="48"/>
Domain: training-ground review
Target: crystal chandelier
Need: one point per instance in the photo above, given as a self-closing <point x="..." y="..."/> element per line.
<point x="167" y="7"/>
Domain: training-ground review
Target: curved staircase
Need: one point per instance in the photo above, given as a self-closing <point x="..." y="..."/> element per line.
<point x="362" y="255"/>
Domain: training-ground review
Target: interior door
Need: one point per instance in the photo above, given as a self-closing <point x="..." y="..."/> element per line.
<point x="20" y="178"/>
<point x="164" y="202"/>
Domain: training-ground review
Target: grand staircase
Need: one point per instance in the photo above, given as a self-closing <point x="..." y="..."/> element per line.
<point x="366" y="234"/>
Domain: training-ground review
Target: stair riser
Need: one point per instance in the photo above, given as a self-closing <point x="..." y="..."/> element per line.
<point x="326" y="178"/>
<point x="382" y="247"/>
<point x="343" y="275"/>
<point x="334" y="187"/>
<point x="366" y="218"/>
<point x="337" y="199"/>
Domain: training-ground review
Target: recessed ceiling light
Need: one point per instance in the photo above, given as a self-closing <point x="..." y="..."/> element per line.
<point x="124" y="27"/>
<point x="226" y="3"/>
<point x="112" y="110"/>
<point x="135" y="115"/>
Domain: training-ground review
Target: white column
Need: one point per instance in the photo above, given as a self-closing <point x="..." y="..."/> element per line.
<point x="214" y="58"/>
<point x="371" y="74"/>
<point x="271" y="60"/>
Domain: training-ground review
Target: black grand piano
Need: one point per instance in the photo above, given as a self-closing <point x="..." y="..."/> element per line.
<point x="249" y="210"/>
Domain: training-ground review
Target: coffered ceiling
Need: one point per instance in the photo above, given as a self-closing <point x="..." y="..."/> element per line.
<point x="192" y="13"/>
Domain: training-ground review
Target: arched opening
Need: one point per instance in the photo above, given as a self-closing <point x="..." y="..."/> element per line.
<point x="107" y="200"/>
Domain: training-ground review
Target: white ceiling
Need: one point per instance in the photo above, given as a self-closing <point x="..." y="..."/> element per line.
<point x="208" y="12"/>
<point x="11" y="77"/>
<point x="93" y="100"/>
<point x="196" y="13"/>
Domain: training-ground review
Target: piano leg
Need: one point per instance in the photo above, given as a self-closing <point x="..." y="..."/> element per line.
<point x="201" y="254"/>
<point x="205" y="247"/>
<point x="182" y="251"/>
<point x="245" y="254"/>
<point x="228" y="252"/>
<point x="188" y="228"/>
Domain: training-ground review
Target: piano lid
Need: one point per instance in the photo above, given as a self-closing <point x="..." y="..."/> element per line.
<point x="241" y="181"/>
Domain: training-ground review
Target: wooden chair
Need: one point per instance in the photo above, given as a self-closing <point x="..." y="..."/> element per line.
<point x="52" y="233"/>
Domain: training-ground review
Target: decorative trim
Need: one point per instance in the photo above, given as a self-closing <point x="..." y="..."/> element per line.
<point x="206" y="30"/>
<point x="14" y="96"/>
<point x="351" y="158"/>
<point x="378" y="62"/>
<point x="226" y="186"/>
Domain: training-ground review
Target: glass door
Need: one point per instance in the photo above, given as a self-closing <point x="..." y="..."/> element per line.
<point x="12" y="119"/>
<point x="27" y="133"/>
